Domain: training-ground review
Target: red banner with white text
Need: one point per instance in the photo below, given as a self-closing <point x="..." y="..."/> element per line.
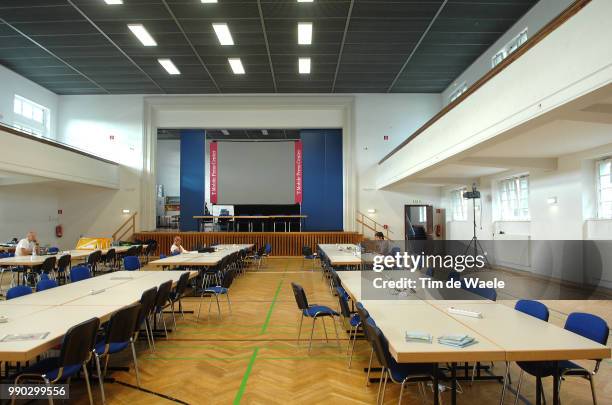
<point x="298" y="172"/>
<point x="213" y="173"/>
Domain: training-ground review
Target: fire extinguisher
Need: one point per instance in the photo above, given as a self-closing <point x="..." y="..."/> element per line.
<point x="59" y="231"/>
<point x="438" y="230"/>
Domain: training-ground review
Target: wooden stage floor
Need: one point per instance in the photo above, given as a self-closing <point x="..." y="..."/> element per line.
<point x="252" y="356"/>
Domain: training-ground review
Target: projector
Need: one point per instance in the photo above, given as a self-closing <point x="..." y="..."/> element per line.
<point x="472" y="194"/>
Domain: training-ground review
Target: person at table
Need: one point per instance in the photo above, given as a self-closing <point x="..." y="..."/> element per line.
<point x="27" y="245"/>
<point x="383" y="246"/>
<point x="177" y="247"/>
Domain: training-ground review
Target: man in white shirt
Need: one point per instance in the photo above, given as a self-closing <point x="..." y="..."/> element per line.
<point x="177" y="247"/>
<point x="27" y="245"/>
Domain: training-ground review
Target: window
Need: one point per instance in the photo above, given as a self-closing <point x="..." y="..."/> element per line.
<point x="459" y="205"/>
<point x="510" y="47"/>
<point x="30" y="116"/>
<point x="514" y="198"/>
<point x="604" y="189"/>
<point x="459" y="91"/>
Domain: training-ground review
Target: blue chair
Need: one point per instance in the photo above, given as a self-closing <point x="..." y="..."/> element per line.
<point x="484" y="292"/>
<point x="18" y="291"/>
<point x="79" y="273"/>
<point x="267" y="251"/>
<point x="75" y="352"/>
<point x="394" y="250"/>
<point x="314" y="312"/>
<point x="45" y="284"/>
<point x="53" y="250"/>
<point x="586" y="325"/>
<point x="353" y="319"/>
<point x="308" y="254"/>
<point x="365" y="315"/>
<point x="162" y="256"/>
<point x="454" y="275"/>
<point x="131" y="263"/>
<point x="533" y="308"/>
<point x="119" y="334"/>
<point x="396" y="372"/>
<point x="217" y="290"/>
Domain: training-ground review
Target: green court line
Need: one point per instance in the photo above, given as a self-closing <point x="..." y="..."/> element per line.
<point x="245" y="378"/>
<point x="264" y="327"/>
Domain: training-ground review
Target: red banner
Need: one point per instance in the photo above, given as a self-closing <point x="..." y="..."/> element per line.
<point x="213" y="173"/>
<point x="298" y="172"/>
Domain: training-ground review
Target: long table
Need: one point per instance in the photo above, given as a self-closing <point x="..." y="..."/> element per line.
<point x="201" y="259"/>
<point x="58" y="309"/>
<point x="285" y="218"/>
<point x="341" y="254"/>
<point x="31" y="261"/>
<point x="502" y="333"/>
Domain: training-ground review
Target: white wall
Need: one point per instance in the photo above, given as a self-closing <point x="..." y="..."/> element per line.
<point x="395" y="116"/>
<point x="536" y="18"/>
<point x="25" y="207"/>
<point x="169" y="166"/>
<point x="11" y="83"/>
<point x="107" y="126"/>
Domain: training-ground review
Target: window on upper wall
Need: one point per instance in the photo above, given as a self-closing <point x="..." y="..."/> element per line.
<point x="459" y="205"/>
<point x="514" y="198"/>
<point x="30" y="116"/>
<point x="459" y="91"/>
<point x="510" y="47"/>
<point x="604" y="189"/>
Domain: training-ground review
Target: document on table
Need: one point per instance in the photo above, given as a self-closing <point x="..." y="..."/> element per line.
<point x="23" y="337"/>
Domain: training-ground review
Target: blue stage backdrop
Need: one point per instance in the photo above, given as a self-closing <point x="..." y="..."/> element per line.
<point x="322" y="179"/>
<point x="193" y="150"/>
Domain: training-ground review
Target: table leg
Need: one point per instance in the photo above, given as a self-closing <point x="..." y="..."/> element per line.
<point x="538" y="391"/>
<point x="435" y="384"/>
<point x="556" y="399"/>
<point x="454" y="383"/>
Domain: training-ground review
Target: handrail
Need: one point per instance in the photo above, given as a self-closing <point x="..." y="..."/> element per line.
<point x="531" y="42"/>
<point x="363" y="219"/>
<point x="132" y="226"/>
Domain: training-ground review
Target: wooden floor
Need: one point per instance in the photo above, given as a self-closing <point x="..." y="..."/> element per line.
<point x="252" y="356"/>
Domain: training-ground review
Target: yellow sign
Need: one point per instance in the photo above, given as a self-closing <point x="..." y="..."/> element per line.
<point x="94" y="243"/>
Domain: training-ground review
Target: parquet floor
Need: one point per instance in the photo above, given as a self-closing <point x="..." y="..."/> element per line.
<point x="252" y="356"/>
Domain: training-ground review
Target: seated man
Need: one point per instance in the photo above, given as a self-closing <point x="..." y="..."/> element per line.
<point x="27" y="245"/>
<point x="383" y="246"/>
<point x="177" y="247"/>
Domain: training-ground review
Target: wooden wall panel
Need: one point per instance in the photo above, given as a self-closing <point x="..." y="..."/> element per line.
<point x="283" y="243"/>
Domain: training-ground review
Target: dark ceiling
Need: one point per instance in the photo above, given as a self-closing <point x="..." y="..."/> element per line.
<point x="374" y="46"/>
<point x="235" y="134"/>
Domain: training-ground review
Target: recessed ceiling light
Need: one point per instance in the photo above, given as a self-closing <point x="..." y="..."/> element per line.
<point x="225" y="132"/>
<point x="264" y="132"/>
<point x="111" y="2"/>
<point x="169" y="66"/>
<point x="223" y="33"/>
<point x="304" y="33"/>
<point x="142" y="34"/>
<point x="305" y="1"/>
<point x="304" y="65"/>
<point x="209" y="1"/>
<point x="236" y="65"/>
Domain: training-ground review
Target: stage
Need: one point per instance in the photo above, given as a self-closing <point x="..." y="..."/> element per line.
<point x="283" y="243"/>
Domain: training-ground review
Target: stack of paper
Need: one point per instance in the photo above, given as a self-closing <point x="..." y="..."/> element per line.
<point x="456" y="340"/>
<point x="418" y="337"/>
